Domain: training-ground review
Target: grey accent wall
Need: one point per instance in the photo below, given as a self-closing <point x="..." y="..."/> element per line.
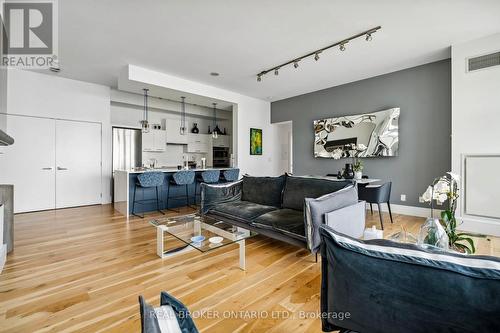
<point x="424" y="95"/>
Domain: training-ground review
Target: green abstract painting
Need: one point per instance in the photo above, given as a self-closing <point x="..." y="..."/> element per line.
<point x="255" y="141"/>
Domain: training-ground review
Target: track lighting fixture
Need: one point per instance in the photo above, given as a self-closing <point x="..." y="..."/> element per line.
<point x="368" y="34"/>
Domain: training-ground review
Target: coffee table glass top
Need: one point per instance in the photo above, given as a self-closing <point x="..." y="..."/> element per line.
<point x="186" y="227"/>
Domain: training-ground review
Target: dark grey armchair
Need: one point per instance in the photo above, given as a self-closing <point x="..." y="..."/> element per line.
<point x="377" y="194"/>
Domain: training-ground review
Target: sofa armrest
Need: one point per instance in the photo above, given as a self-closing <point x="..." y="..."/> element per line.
<point x="214" y="194"/>
<point x="315" y="210"/>
<point x="349" y="220"/>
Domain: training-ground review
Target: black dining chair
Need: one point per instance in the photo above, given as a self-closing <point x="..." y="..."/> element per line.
<point x="377" y="194"/>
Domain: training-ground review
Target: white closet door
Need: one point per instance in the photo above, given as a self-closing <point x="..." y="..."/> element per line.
<point x="78" y="163"/>
<point x="29" y="163"/>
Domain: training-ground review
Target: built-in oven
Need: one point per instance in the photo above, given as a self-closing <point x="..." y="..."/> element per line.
<point x="220" y="157"/>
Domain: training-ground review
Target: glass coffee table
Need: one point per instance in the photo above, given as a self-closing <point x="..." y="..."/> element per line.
<point x="199" y="232"/>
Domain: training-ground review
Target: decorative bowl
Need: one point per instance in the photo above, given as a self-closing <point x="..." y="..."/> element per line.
<point x="197" y="239"/>
<point x="215" y="240"/>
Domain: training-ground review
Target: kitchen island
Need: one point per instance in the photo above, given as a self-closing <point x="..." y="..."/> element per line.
<point x="124" y="183"/>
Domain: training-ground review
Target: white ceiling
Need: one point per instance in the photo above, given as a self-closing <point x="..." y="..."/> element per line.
<point x="239" y="38"/>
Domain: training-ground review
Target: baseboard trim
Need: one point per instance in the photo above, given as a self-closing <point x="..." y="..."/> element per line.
<point x="407" y="210"/>
<point x="480" y="226"/>
<point x="3" y="256"/>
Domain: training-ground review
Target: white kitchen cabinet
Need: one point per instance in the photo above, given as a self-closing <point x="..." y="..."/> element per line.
<point x="222" y="141"/>
<point x="173" y="132"/>
<point x="154" y="140"/>
<point x="198" y="143"/>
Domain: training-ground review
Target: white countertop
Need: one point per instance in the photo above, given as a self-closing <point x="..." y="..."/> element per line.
<point x="169" y="170"/>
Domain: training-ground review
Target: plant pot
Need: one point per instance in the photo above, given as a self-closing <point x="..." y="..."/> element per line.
<point x="358" y="175"/>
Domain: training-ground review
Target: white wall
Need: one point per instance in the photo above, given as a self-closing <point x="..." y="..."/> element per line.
<point x="49" y="96"/>
<point x="475" y="119"/>
<point x="248" y="112"/>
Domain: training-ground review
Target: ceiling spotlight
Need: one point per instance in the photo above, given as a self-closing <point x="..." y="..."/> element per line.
<point x="316" y="56"/>
<point x="296" y="64"/>
<point x="342" y="47"/>
<point x="259" y="78"/>
<point x="276" y="71"/>
<point x="369" y="37"/>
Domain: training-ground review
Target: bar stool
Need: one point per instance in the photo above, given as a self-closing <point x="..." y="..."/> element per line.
<point x="179" y="179"/>
<point x="230" y="175"/>
<point x="207" y="177"/>
<point x="148" y="180"/>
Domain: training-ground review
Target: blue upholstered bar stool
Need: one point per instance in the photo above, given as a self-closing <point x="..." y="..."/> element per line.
<point x="207" y="177"/>
<point x="230" y="175"/>
<point x="148" y="180"/>
<point x="179" y="179"/>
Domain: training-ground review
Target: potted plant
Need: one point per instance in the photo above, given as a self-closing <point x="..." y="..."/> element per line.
<point x="446" y="189"/>
<point x="358" y="168"/>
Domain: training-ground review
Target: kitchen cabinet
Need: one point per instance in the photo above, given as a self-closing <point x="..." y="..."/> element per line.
<point x="198" y="143"/>
<point x="154" y="140"/>
<point x="222" y="141"/>
<point x="174" y="135"/>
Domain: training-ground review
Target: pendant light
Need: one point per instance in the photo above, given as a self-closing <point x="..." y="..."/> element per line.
<point x="144" y="122"/>
<point x="183" y="116"/>
<point x="215" y="133"/>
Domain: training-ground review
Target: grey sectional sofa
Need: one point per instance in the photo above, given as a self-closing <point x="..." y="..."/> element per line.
<point x="287" y="208"/>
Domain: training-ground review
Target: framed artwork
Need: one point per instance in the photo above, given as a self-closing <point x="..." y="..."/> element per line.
<point x="255" y="141"/>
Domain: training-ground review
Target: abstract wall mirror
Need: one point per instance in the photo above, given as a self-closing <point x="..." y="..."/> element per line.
<point x="374" y="134"/>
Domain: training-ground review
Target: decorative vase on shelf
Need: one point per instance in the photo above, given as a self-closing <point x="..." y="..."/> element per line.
<point x="348" y="171"/>
<point x="209" y="130"/>
<point x="225" y="133"/>
<point x="358" y="175"/>
<point x="433" y="235"/>
<point x="195" y="129"/>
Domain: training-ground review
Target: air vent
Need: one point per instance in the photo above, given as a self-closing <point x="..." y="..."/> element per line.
<point x="485" y="61"/>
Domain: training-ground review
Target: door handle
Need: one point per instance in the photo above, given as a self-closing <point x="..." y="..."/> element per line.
<point x="61" y="168"/>
<point x="48" y="168"/>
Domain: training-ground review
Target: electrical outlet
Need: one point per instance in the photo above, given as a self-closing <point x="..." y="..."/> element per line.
<point x="403" y="197"/>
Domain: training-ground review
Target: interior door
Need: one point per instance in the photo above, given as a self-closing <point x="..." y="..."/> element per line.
<point x="29" y="163"/>
<point x="78" y="163"/>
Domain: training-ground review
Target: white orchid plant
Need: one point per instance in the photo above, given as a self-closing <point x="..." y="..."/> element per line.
<point x="446" y="189"/>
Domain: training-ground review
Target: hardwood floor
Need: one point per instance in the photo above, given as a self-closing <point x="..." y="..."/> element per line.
<point x="81" y="269"/>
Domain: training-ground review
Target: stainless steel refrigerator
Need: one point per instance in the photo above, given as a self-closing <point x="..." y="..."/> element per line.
<point x="127" y="148"/>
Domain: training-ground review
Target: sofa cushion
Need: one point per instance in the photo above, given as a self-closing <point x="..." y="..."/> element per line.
<point x="253" y="190"/>
<point x="245" y="210"/>
<point x="318" y="207"/>
<point x="298" y="188"/>
<point x="286" y="221"/>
